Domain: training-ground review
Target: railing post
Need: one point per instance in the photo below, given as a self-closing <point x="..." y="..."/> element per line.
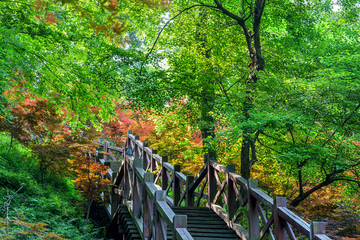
<point x="231" y="196"/>
<point x="136" y="155"/>
<point x="160" y="195"/>
<point x="280" y="231"/>
<point x="137" y="189"/>
<point x="148" y="208"/>
<point x="189" y="202"/>
<point x="143" y="156"/>
<point x="211" y="181"/>
<point x="164" y="177"/>
<point x="127" y="144"/>
<point x="176" y="185"/>
<point x="180" y="221"/>
<point x="126" y="185"/>
<point x="106" y="150"/>
<point x="316" y="228"/>
<point x="253" y="214"/>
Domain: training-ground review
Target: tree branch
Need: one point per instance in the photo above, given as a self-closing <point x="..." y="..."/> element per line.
<point x="9" y="199"/>
<point x="162" y="29"/>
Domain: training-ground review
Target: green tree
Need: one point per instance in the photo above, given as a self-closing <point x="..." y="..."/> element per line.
<point x="268" y="108"/>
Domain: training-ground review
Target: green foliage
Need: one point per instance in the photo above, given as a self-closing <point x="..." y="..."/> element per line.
<point x="57" y="204"/>
<point x="56" y="55"/>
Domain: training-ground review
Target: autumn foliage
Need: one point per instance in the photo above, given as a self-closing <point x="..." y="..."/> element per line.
<point x="37" y="125"/>
<point x="38" y="230"/>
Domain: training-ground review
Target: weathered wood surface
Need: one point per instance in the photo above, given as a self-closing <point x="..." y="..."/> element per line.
<point x="216" y="185"/>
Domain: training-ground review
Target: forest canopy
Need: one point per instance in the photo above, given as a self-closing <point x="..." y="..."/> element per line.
<point x="266" y="84"/>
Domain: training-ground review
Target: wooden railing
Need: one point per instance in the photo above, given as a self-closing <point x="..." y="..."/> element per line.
<point x="145" y="200"/>
<point x="150" y="186"/>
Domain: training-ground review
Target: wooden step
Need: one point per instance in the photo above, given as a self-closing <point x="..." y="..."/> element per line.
<point x="205" y="224"/>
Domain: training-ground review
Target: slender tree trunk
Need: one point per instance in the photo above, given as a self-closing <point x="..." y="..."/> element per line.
<point x="207" y="95"/>
<point x="11" y="141"/>
<point x="88" y="210"/>
<point x="7" y="217"/>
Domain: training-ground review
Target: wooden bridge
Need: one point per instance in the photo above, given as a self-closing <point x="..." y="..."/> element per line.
<point x="151" y="199"/>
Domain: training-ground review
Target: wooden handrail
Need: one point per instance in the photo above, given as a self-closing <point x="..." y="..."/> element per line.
<point x="225" y="189"/>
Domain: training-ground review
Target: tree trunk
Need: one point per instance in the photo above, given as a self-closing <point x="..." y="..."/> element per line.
<point x="257" y="64"/>
<point x="207" y="95"/>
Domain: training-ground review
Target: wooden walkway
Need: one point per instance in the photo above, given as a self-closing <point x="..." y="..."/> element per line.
<point x="151" y="199"/>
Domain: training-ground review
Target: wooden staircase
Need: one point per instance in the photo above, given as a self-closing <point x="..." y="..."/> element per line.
<point x="152" y="199"/>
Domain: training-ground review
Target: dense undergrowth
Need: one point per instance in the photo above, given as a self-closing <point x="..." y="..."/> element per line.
<point x="49" y="210"/>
